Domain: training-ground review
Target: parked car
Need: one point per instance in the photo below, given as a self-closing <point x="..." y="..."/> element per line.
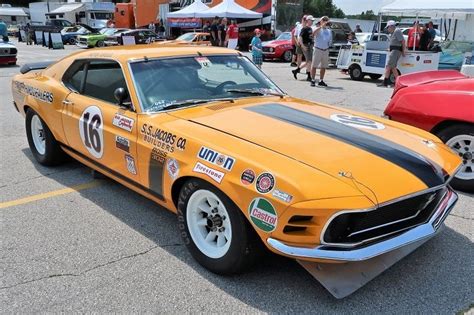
<point x="363" y="38"/>
<point x="452" y="54"/>
<point x="340" y="32"/>
<point x="70" y="33"/>
<point x="8" y="53"/>
<point x="204" y="133"/>
<point x="96" y="39"/>
<point x="279" y="48"/>
<point x="13" y="30"/>
<point x="441" y="102"/>
<point x="194" y="38"/>
<point x="142" y="36"/>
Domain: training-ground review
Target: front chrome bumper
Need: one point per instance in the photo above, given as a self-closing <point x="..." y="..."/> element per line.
<point x="421" y="232"/>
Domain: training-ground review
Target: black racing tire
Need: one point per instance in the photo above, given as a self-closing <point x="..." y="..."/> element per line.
<point x="374" y="76"/>
<point x="72" y="41"/>
<point x="287" y="56"/>
<point x="392" y="77"/>
<point x="53" y="154"/>
<point x="244" y="245"/>
<point x="100" y="43"/>
<point x="460" y="138"/>
<point x="356" y="73"/>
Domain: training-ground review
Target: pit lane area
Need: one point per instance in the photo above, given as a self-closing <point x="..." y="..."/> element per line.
<point x="70" y="242"/>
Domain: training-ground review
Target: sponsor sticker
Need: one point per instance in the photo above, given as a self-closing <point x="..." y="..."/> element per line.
<point x="162" y="139"/>
<point x="357" y="122"/>
<point x="123" y="122"/>
<point x="203" y="61"/>
<point x="130" y="164"/>
<point x="282" y="195"/>
<point x="216" y="158"/>
<point x="122" y="143"/>
<point x="263" y="214"/>
<point x="265" y="183"/>
<point x="247" y="177"/>
<point x="212" y="173"/>
<point x="41" y="95"/>
<point x="172" y="167"/>
<point x="91" y="127"/>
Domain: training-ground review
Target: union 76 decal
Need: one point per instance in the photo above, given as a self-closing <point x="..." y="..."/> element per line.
<point x="91" y="127"/>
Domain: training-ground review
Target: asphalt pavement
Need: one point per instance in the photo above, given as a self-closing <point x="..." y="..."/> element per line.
<point x="70" y="242"/>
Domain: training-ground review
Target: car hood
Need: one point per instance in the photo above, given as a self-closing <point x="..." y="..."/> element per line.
<point x="6" y="45"/>
<point x="273" y="43"/>
<point x="383" y="163"/>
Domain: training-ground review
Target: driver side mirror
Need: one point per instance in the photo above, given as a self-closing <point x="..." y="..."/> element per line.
<point x="121" y="95"/>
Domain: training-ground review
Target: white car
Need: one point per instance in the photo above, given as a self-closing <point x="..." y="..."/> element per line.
<point x="437" y="38"/>
<point x="363" y="38"/>
<point x="8" y="53"/>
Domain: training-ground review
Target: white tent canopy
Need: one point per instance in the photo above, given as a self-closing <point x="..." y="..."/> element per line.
<point x="450" y="9"/>
<point x="229" y="9"/>
<point x="189" y="11"/>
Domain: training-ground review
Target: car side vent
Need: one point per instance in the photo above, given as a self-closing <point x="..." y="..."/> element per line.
<point x="298" y="218"/>
<point x="298" y="224"/>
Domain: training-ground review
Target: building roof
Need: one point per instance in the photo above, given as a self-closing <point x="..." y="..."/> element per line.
<point x="6" y="11"/>
<point x="67" y="8"/>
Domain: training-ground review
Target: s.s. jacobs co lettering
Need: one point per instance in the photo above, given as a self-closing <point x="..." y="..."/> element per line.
<point x="216" y="158"/>
<point x="162" y="139"/>
<point x="41" y="95"/>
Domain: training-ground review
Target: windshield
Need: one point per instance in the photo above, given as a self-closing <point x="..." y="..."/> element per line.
<point x="362" y="38"/>
<point x="284" y="36"/>
<point x="102" y="15"/>
<point x="164" y="82"/>
<point x="186" y="37"/>
<point x="108" y="31"/>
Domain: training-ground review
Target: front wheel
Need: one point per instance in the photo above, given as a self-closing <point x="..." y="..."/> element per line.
<point x="42" y="144"/>
<point x="287" y="56"/>
<point x="214" y="230"/>
<point x="356" y="73"/>
<point x="100" y="43"/>
<point x="460" y="138"/>
<point x="374" y="76"/>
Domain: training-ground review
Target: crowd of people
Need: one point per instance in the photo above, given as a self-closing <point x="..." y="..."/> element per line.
<point x="222" y="33"/>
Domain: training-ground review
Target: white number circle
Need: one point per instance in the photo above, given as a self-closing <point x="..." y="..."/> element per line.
<point x="91" y="131"/>
<point x="357" y="122"/>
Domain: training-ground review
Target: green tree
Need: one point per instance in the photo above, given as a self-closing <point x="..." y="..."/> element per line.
<point x="322" y="7"/>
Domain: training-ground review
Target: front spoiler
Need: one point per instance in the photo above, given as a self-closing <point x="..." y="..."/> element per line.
<point x="421" y="232"/>
<point x="364" y="264"/>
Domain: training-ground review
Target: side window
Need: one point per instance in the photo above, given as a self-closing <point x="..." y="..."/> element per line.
<point x="74" y="76"/>
<point x="103" y="78"/>
<point x="95" y="78"/>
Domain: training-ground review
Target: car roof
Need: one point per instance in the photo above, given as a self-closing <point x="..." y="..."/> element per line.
<point x="155" y="50"/>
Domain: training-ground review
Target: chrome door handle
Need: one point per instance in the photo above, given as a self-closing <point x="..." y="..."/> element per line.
<point x="66" y="102"/>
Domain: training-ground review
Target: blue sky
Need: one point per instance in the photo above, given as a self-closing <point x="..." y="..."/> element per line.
<point x="357" y="6"/>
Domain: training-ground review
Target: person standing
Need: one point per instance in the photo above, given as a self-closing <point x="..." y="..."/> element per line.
<point x="3" y="31"/>
<point x="432" y="32"/>
<point x="222" y="32"/>
<point x="257" y="53"/>
<point x="358" y="29"/>
<point x="322" y="41"/>
<point x="299" y="51"/>
<point x="293" y="44"/>
<point x="214" y="32"/>
<point x="29" y="35"/>
<point x="397" y="50"/>
<point x="306" y="43"/>
<point x="232" y="36"/>
<point x="414" y="35"/>
<point x="425" y="38"/>
<point x="207" y="27"/>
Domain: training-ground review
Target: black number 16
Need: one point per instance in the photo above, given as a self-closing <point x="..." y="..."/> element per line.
<point x="91" y="132"/>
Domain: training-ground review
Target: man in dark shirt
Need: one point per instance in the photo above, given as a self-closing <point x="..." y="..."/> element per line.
<point x="222" y="32"/>
<point x="306" y="44"/>
<point x="214" y="35"/>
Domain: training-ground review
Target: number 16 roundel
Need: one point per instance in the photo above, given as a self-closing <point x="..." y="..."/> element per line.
<point x="91" y="131"/>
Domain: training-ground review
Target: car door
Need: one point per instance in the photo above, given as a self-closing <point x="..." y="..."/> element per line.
<point x="95" y="126"/>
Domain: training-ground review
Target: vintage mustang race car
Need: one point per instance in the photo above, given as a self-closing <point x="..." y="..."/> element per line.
<point x="204" y="133"/>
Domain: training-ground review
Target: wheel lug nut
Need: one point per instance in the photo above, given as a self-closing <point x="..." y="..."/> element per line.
<point x="224" y="217"/>
<point x="221" y="229"/>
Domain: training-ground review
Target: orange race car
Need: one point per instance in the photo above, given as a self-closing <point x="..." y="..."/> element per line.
<point x="204" y="133"/>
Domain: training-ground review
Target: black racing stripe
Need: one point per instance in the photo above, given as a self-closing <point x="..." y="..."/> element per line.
<point x="114" y="173"/>
<point x="428" y="172"/>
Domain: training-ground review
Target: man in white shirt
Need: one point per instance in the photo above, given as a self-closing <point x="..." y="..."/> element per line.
<point x="299" y="51"/>
<point x="322" y="41"/>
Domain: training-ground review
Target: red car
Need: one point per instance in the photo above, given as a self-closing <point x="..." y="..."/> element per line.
<point x="279" y="48"/>
<point x="441" y="102"/>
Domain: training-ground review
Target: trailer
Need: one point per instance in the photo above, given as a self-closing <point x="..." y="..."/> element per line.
<point x="371" y="59"/>
<point x="93" y="14"/>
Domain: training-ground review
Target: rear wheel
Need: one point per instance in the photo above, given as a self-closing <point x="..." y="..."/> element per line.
<point x="214" y="229"/>
<point x="42" y="144"/>
<point x="460" y="138"/>
<point x="356" y="73"/>
<point x="392" y="77"/>
<point x="287" y="56"/>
